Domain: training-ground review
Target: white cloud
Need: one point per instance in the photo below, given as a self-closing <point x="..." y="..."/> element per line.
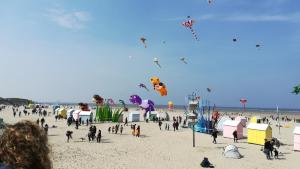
<point x="264" y="18"/>
<point x="70" y="20"/>
<point x="294" y="17"/>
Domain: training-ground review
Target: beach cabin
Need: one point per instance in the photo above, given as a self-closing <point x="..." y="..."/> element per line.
<point x="62" y="113"/>
<point x="257" y="133"/>
<point x="134" y="116"/>
<point x="243" y="120"/>
<point x="70" y="113"/>
<point x="75" y="114"/>
<point x="221" y="122"/>
<point x="230" y="126"/>
<point x="86" y="115"/>
<point x="256" y="119"/>
<point x="297" y="139"/>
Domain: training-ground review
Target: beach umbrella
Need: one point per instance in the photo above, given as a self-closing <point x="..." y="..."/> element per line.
<point x="243" y="102"/>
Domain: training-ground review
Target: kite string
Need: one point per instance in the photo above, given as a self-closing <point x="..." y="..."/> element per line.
<point x="193" y="32"/>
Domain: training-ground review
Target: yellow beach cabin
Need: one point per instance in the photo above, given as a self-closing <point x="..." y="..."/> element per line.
<point x="257" y="133"/>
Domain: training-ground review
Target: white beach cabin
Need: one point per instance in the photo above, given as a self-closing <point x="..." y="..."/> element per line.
<point x="134" y="116"/>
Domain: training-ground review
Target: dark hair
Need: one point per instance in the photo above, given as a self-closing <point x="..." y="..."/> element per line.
<point x="24" y="145"/>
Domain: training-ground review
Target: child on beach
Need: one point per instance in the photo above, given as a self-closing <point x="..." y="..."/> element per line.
<point x="121" y="129"/>
<point x="138" y="131"/>
<point x="109" y="129"/>
<point x="99" y="136"/>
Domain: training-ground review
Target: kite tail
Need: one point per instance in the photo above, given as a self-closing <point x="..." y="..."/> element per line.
<point x="194" y="33"/>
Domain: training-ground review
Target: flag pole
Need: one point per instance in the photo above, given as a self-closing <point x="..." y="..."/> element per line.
<point x="278" y="123"/>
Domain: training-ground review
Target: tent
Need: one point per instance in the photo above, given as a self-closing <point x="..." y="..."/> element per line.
<point x="297" y="138"/>
<point x="230" y="126"/>
<point x="62" y="112"/>
<point x="220" y="123"/>
<point x="70" y="113"/>
<point x="134" y="116"/>
<point x="231" y="151"/>
<point x="242" y="119"/>
<point x="86" y="115"/>
<point x="257" y="133"/>
<point x="256" y="119"/>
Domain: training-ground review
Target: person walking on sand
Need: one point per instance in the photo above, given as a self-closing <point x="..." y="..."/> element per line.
<point x="109" y="128"/>
<point x="133" y="130"/>
<point x="42" y="122"/>
<point x="38" y="122"/>
<point x="166" y="126"/>
<point x="99" y="136"/>
<point x="113" y="129"/>
<point x="235" y="138"/>
<point x="121" y="129"/>
<point x="159" y="124"/>
<point x="267" y="148"/>
<point x="138" y="131"/>
<point x="46" y="129"/>
<point x="69" y="135"/>
<point x="126" y="122"/>
<point x="214" y="135"/>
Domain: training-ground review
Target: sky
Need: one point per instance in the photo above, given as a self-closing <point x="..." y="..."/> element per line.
<point x="67" y="51"/>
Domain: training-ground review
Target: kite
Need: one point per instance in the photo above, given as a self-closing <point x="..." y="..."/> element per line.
<point x="189" y="24"/>
<point x="111" y="102"/>
<point x="123" y="104"/>
<point x="209" y="1"/>
<point x="143" y="40"/>
<point x="208" y="90"/>
<point x="147" y="105"/>
<point x="98" y="100"/>
<point x="155" y="60"/>
<point x="234" y="40"/>
<point x="159" y="86"/>
<point x="183" y="60"/>
<point x="141" y="85"/>
<point x="296" y="90"/>
<point x="84" y="106"/>
<point x="243" y="102"/>
<point x="170" y="105"/>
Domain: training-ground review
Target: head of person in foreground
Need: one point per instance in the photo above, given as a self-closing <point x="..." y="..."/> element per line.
<point x="24" y="145"/>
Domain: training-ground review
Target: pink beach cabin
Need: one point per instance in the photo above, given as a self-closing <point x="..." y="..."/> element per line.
<point x="297" y="139"/>
<point x="230" y="126"/>
<point x="243" y="120"/>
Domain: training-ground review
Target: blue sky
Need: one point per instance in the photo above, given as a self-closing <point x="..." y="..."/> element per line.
<point x="62" y="50"/>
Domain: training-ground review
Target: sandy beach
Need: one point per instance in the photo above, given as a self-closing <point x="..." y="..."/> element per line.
<point x="155" y="148"/>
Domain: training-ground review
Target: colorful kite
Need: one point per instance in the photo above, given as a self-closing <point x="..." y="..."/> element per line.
<point x="189" y="24"/>
<point x="209" y="1"/>
<point x="296" y="90"/>
<point x="141" y="85"/>
<point x="147" y="105"/>
<point x="122" y="102"/>
<point x="159" y="86"/>
<point x="170" y="105"/>
<point x="183" y="60"/>
<point x="143" y="40"/>
<point x="111" y="102"/>
<point x="155" y="60"/>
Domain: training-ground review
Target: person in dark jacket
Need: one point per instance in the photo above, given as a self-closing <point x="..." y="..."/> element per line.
<point x="214" y="135"/>
<point x="99" y="136"/>
<point x="235" y="138"/>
